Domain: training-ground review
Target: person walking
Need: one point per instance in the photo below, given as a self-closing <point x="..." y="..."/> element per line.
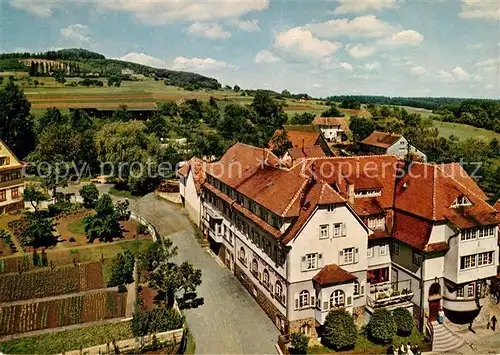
<point x="493" y="322"/>
<point x="441" y="316"/>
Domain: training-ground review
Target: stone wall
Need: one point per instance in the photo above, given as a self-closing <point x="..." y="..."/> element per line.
<point x="417" y="318"/>
<point x="264" y="302"/>
<point x="297" y="324"/>
<point x="16" y="206"/>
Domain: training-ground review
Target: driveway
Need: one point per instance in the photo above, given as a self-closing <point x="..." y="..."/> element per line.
<point x="230" y="321"/>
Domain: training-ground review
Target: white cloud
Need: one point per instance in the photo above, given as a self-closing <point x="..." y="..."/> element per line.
<point x="489" y="65"/>
<point x="201" y="64"/>
<point x="266" y="56"/>
<point x="489" y="87"/>
<point x="474" y="46"/>
<point x="346" y="66"/>
<point x="76" y="32"/>
<point x="247" y="26"/>
<point x="208" y="30"/>
<point x="480" y="9"/>
<point x="301" y="42"/>
<point x="371" y="66"/>
<point x="359" y="50"/>
<point x="363" y="26"/>
<point x="349" y="6"/>
<point x="406" y="37"/>
<point x="144" y="59"/>
<point x="418" y="71"/>
<point x="458" y="74"/>
<point x="162" y="11"/>
<point x="317" y="86"/>
<point x="37" y="8"/>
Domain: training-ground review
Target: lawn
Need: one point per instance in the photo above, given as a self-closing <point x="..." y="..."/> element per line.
<point x="365" y="346"/>
<point x="463" y="131"/>
<point x="77" y="227"/>
<point x="53" y="343"/>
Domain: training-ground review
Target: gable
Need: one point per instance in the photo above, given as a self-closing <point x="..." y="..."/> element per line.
<point x="8" y="158"/>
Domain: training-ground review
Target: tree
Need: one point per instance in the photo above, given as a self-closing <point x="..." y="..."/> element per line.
<point x="90" y="195"/>
<point x="122" y="114"/>
<point x="269" y="112"/>
<point x="299" y="342"/>
<point x="34" y="196"/>
<point x="122" y="142"/>
<point x="339" y="330"/>
<point x="122" y="211"/>
<point x="16" y="123"/>
<point x="302" y="118"/>
<point x="160" y="319"/>
<point x="103" y="225"/>
<point x="281" y="143"/>
<point x="157" y="126"/>
<point x="122" y="269"/>
<point x="404" y="321"/>
<point x="332" y="111"/>
<point x="382" y="327"/>
<point x="156" y="254"/>
<point x="51" y="117"/>
<point x="38" y="231"/>
<point x="236" y="88"/>
<point x="361" y="127"/>
<point x="59" y="77"/>
<point x="236" y="124"/>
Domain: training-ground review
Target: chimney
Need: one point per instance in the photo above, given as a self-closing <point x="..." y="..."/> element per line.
<point x="350" y="193"/>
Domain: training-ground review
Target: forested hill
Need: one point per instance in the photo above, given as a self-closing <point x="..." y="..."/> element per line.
<point x="430" y="103"/>
<point x="88" y="62"/>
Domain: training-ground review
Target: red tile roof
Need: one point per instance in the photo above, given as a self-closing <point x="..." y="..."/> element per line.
<point x="411" y="230"/>
<point x="299" y="139"/>
<point x="456" y="171"/>
<point x="195" y="165"/>
<point x="436" y="247"/>
<point x="333" y="274"/>
<point x="381" y="139"/>
<point x="332" y="121"/>
<point x="307" y="152"/>
<point x="379" y="234"/>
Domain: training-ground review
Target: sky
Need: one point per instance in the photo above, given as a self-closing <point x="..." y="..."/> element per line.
<point x="321" y="47"/>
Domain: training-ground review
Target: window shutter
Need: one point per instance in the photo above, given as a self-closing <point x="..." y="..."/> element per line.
<point x="312" y="302"/>
<point x="320" y="260"/>
<point x="325" y="306"/>
<point x="303" y="264"/>
<point x="362" y="290"/>
<point x="349" y="300"/>
<point x="341" y="257"/>
<point x="296" y="302"/>
<point x="344" y="229"/>
<point x="356" y="255"/>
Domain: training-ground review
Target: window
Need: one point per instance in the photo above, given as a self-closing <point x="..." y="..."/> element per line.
<point x="485" y="258"/>
<point x="467" y="262"/>
<point x="263" y="213"/>
<point x="304" y="299"/>
<point x="330" y="208"/>
<point x="369" y="251"/>
<point x="311" y="261"/>
<point x="14" y="192"/>
<point x="3" y="195"/>
<point x="337" y="299"/>
<point x="461" y="201"/>
<point x="349" y="256"/>
<point x="382" y="249"/>
<point x="279" y="292"/>
<point x="242" y="255"/>
<point x="305" y="329"/>
<point x="255" y="266"/>
<point x="356" y="288"/>
<point x="470" y="290"/>
<point x="276" y="222"/>
<point x="367" y="193"/>
<point x="460" y="292"/>
<point x="417" y="259"/>
<point x="338" y="230"/>
<point x="265" y="277"/>
<point x="252" y="206"/>
<point x="395" y="248"/>
<point x="324" y="231"/>
<point x="376" y="223"/>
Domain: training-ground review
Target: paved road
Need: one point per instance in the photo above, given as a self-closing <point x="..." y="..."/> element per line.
<point x="229" y="321"/>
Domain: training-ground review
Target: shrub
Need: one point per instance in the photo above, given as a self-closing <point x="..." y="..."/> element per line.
<point x="90" y="195"/>
<point x="404" y="321"/>
<point x="122" y="269"/>
<point x="122" y="288"/>
<point x="142" y="229"/>
<point x="161" y="319"/>
<point x="382" y="327"/>
<point x="339" y="332"/>
<point x="299" y="343"/>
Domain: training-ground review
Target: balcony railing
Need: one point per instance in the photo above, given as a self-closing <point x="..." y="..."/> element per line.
<point x="389" y="293"/>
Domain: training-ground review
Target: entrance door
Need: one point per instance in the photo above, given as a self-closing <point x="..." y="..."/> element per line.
<point x="434" y="306"/>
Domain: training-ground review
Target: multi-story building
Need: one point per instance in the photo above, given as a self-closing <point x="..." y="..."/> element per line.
<point x="334" y="129"/>
<point x="356" y="233"/>
<point x="390" y="143"/>
<point x="11" y="180"/>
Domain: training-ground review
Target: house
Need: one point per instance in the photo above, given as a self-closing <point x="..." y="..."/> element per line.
<point x="191" y="177"/>
<point x="11" y="180"/>
<point x="302" y="139"/>
<point x="127" y="71"/>
<point x="390" y="143"/>
<point x="356" y="233"/>
<point x="296" y="155"/>
<point x="334" y="129"/>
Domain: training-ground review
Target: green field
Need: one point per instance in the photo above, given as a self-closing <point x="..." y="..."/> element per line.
<point x="463" y="131"/>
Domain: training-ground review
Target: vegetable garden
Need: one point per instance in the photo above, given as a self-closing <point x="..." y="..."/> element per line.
<point x="38" y="284"/>
<point x="62" y="312"/>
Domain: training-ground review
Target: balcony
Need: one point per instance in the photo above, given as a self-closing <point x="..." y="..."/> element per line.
<point x="389" y="294"/>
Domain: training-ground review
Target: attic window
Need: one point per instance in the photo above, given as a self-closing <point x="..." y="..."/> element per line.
<point x="461" y="201"/>
<point x="367" y="193"/>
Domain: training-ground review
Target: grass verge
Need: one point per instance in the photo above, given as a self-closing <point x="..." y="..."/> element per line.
<point x="54" y="343"/>
<point x="77" y="227"/>
<point x="190" y="344"/>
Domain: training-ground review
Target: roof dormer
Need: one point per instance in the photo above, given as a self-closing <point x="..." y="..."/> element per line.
<point x="461" y="201"/>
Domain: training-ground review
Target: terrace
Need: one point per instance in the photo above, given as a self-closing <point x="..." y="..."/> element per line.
<point x="386" y="294"/>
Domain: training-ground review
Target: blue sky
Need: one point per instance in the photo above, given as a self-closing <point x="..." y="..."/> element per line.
<point x="383" y="47"/>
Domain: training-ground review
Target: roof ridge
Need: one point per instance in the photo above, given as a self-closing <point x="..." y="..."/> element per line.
<point x="354" y="157"/>
<point x="295" y="197"/>
<point x="434" y="195"/>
